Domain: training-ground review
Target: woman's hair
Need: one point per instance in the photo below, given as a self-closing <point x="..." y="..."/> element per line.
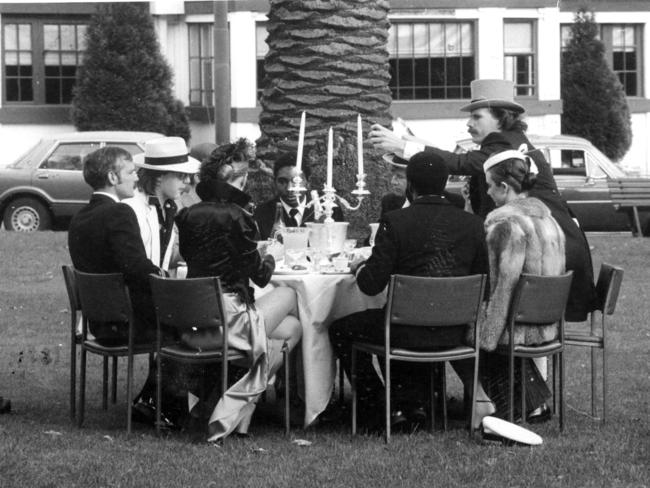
<point x="509" y="120"/>
<point x="148" y="180"/>
<point x="218" y="165"/>
<point x="515" y="172"/>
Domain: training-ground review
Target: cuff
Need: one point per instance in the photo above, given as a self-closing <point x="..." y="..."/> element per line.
<point x="412" y="148"/>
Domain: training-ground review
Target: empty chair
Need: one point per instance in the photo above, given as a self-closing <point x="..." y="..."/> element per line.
<point x="188" y="305"/>
<point x="105" y="298"/>
<point x="537" y="301"/>
<point x="607" y="289"/>
<point x="426" y="302"/>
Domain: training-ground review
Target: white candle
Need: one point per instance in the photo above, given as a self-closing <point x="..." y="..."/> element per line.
<point x="301" y="143"/>
<point x="330" y="151"/>
<point x="359" y="144"/>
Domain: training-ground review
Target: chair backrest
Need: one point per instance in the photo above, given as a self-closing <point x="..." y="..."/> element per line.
<point x="540" y="300"/>
<point x="608" y="287"/>
<point x="434" y="301"/>
<point x="71" y="288"/>
<point x="186" y="304"/>
<point x="103" y="297"/>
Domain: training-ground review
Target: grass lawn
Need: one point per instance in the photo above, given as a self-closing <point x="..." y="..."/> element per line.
<point x="39" y="447"/>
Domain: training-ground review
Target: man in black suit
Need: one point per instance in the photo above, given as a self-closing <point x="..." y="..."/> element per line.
<point x="295" y="213"/>
<point x="431" y="237"/>
<point x="104" y="237"/>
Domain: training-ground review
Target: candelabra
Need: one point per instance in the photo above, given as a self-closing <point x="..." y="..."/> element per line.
<point x="325" y="204"/>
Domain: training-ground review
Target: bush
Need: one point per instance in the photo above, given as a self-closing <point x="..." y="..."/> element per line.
<point x="124" y="82"/>
<point x="595" y="106"/>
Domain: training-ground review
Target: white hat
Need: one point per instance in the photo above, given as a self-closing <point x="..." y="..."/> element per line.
<point x="395" y="160"/>
<point x="167" y="154"/>
<point x="492" y="94"/>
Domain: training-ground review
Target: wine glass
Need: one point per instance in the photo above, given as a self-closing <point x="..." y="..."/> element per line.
<point x="348" y="247"/>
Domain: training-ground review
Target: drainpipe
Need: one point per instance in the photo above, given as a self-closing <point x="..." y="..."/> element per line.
<point x="221" y="79"/>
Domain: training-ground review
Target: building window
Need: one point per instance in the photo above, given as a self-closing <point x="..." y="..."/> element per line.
<point x="431" y="60"/>
<point x="201" y="71"/>
<point x="519" y="56"/>
<point x="261" y="48"/>
<point x="40" y="60"/>
<point x="622" y="52"/>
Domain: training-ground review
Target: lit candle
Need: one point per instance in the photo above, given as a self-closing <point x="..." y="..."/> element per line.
<point x="330" y="151"/>
<point x="301" y="143"/>
<point x="360" y="144"/>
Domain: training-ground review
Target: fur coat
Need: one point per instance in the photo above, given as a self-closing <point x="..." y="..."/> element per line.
<point x="522" y="237"/>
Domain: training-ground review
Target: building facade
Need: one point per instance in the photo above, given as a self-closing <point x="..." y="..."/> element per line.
<point x="436" y="48"/>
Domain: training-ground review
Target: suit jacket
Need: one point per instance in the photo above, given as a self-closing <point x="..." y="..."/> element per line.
<point x="582" y="298"/>
<point x="264" y="215"/>
<point x="150" y="230"/>
<point x="104" y="237"/>
<point x="431" y="237"/>
<point x="391" y="201"/>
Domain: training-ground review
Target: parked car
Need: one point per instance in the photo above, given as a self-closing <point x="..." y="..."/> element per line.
<point x="45" y="186"/>
<point x="581" y="172"/>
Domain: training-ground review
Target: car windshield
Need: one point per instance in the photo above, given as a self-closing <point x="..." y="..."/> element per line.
<point x="33" y="156"/>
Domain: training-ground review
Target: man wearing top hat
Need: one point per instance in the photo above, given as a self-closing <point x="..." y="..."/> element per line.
<point x="164" y="171"/>
<point x="496" y="124"/>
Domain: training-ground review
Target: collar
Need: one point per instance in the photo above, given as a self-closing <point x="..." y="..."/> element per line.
<point x="109" y="195"/>
<point x="219" y="191"/>
<point x="301" y="206"/>
<point x="430" y="199"/>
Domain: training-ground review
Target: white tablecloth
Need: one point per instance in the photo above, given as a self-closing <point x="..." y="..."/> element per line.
<point x="323" y="298"/>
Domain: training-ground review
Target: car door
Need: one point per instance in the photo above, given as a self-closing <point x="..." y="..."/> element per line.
<point x="583" y="184"/>
<point x="60" y="176"/>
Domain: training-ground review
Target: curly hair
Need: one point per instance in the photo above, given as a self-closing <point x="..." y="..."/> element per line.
<point x="509" y="120"/>
<point x="218" y="165"/>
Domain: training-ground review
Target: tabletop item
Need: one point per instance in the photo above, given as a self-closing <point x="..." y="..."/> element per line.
<point x="340" y="264"/>
<point x="329" y="237"/>
<point x="373" y="232"/>
<point x="513" y="432"/>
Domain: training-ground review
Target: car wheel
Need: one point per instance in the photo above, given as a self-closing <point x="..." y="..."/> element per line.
<point x="27" y="215"/>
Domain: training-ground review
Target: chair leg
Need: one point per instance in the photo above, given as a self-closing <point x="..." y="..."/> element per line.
<point x="554" y="364"/>
<point x="82" y="388"/>
<point x="443" y="391"/>
<point x="387" y="398"/>
<point x="129" y="393"/>
<point x="287" y="403"/>
<point x="114" y="384"/>
<point x="561" y="384"/>
<point x="511" y="388"/>
<point x="73" y="378"/>
<point x="593" y="382"/>
<point x="432" y="397"/>
<point x="474" y="393"/>
<point x="353" y="388"/>
<point x="158" y="392"/>
<point x="604" y="393"/>
<point x="524" y="419"/>
<point x="341" y="383"/>
<point x="105" y="383"/>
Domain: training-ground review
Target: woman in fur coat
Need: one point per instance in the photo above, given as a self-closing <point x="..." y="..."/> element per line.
<point x="522" y="237"/>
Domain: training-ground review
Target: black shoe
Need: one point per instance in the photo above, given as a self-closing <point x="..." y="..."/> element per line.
<point x="143" y="413"/>
<point x="417" y="417"/>
<point x="5" y="406"/>
<point x="398" y="421"/>
<point x="543" y="416"/>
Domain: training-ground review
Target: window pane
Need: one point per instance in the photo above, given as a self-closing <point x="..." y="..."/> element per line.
<point x="12" y="90"/>
<point x="25" y="58"/>
<point x="261" y="48"/>
<point x="11" y="36"/>
<point x="518" y="37"/>
<point x="81" y="37"/>
<point x="25" y="36"/>
<point x="194" y="46"/>
<point x="51" y="40"/>
<point x="420" y="41"/>
<point x="52" y="90"/>
<point x="206" y="40"/>
<point x="26" y="91"/>
<point x="11" y="59"/>
<point x="68" y="37"/>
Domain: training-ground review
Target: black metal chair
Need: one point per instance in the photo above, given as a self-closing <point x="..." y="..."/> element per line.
<point x="183" y="305"/>
<point x="105" y="298"/>
<point x="608" y="287"/>
<point x="426" y="302"/>
<point x="536" y="301"/>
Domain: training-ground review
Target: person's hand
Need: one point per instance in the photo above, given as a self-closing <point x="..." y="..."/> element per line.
<point x="386" y="139"/>
<point x="465" y="193"/>
<point x="356" y="262"/>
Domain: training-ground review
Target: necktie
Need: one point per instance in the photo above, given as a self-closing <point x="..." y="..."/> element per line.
<point x="292" y="222"/>
<point x="166" y="216"/>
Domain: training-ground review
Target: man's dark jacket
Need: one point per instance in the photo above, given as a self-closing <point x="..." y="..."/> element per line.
<point x="265" y="217"/>
<point x="104" y="237"/>
<point x="431" y="237"/>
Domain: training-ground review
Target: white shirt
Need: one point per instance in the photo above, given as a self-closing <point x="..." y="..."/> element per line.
<point x="109" y="195"/>
<point x="301" y="209"/>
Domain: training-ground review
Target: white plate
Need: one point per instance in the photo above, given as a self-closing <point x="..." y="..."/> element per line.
<point x="494" y="425"/>
<point x="333" y="272"/>
<point x="289" y="271"/>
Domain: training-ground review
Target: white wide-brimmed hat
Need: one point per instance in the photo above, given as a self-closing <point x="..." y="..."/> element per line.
<point x="394" y="160"/>
<point x="492" y="94"/>
<point x="167" y="154"/>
